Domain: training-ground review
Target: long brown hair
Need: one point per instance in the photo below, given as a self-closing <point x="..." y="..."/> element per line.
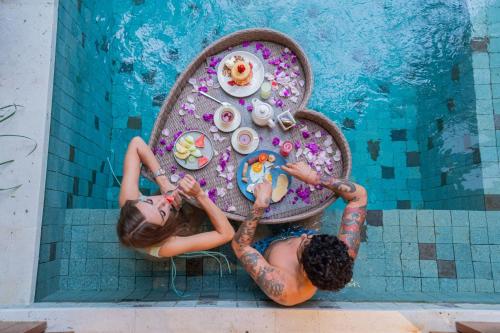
<point x="134" y="231"/>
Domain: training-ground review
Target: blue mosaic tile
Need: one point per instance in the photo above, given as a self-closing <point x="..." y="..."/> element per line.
<point x="465" y="269"/>
<point x="480" y="253"/>
<point x="391" y="217"/>
<point x="460" y="218"/>
<point x="447" y="285"/>
<point x="461" y="235"/>
<point x="109" y="282"/>
<point x="430" y="285"/>
<point x="495" y="253"/>
<point x="408" y="217"/>
<point x="466" y="285"/>
<point x="409" y="251"/>
<point x="442" y="218"/>
<point x="479" y="236"/>
<point x="375" y="250"/>
<point x="391" y="234"/>
<point x="428" y="268"/>
<point x="394" y="284"/>
<point x="410" y="268"/>
<point x="477" y="218"/>
<point x="426" y="234"/>
<point x="484" y="286"/>
<point x="126" y="283"/>
<point x="412" y="284"/>
<point x="444" y="251"/>
<point x="443" y="234"/>
<point x="482" y="270"/>
<point x="409" y="234"/>
<point x="462" y="252"/>
<point x="110" y="266"/>
<point x="393" y="250"/>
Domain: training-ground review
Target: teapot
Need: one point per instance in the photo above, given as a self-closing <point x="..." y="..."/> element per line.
<point x="262" y="113"/>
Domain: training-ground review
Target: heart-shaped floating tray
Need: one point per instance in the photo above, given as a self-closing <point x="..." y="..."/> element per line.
<point x="178" y="114"/>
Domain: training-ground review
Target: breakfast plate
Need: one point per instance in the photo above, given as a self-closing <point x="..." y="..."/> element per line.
<point x="259" y="166"/>
<point x="225" y="79"/>
<point x="193" y="150"/>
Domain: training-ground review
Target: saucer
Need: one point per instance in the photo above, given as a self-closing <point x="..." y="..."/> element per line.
<point x="255" y="83"/>
<point x="251" y="148"/>
<point x="234" y="125"/>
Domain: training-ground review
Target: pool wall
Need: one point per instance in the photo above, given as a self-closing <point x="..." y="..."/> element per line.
<point x="485" y="19"/>
<point x="80" y="130"/>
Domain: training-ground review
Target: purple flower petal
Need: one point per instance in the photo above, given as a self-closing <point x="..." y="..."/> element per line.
<point x="297" y="144"/>
<point x="212" y="194"/>
<point x="173" y="169"/>
<point x="245" y="44"/>
<point x="241" y="101"/>
<point x="276" y="141"/>
<point x="169" y="147"/>
<point x="182" y="174"/>
<point x="306" y="134"/>
<point x="211" y="71"/>
<point x="258" y="46"/>
<point x="202" y="182"/>
<point x="313" y="147"/>
<point x="266" y="53"/>
<point x="208" y="117"/>
<point x="163" y="141"/>
<point x="177" y="134"/>
<point x="249" y="107"/>
<point x="203" y="88"/>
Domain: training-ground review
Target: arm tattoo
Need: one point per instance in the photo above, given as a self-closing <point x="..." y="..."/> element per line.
<point x="266" y="276"/>
<point x="338" y="185"/>
<point x="350" y="228"/>
<point x="246" y="231"/>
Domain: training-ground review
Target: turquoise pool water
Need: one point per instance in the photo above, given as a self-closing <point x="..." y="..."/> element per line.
<point x="395" y="75"/>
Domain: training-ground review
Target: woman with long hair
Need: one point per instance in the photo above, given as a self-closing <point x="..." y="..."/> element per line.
<point x="159" y="224"/>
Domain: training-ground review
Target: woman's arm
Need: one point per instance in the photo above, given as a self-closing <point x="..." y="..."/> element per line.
<point x="138" y="152"/>
<point x="222" y="234"/>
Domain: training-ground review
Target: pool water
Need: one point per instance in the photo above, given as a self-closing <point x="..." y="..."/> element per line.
<point x="396" y="76"/>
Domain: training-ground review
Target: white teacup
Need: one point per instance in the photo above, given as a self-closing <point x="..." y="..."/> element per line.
<point x="227" y="116"/>
<point x="244" y="139"/>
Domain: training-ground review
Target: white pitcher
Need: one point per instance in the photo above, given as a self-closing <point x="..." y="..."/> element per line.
<point x="262" y="113"/>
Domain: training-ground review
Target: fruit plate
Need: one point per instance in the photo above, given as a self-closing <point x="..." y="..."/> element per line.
<point x="197" y="154"/>
<point x="255" y="83"/>
<point x="275" y="172"/>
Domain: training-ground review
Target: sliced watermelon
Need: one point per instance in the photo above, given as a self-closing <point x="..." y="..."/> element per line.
<point x="202" y="161"/>
<point x="200" y="142"/>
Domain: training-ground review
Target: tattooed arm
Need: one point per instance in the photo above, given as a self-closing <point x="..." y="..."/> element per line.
<point x="355" y="212"/>
<point x="270" y="279"/>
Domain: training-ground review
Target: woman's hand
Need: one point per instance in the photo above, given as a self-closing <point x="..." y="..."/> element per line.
<point x="165" y="185"/>
<point x="262" y="193"/>
<point x="190" y="187"/>
<point x="302" y="171"/>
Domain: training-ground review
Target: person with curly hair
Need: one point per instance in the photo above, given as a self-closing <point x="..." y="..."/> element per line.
<point x="291" y="266"/>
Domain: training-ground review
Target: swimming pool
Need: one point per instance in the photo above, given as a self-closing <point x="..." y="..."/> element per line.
<point x="396" y="76"/>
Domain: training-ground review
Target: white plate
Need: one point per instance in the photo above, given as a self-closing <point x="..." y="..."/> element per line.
<point x="206" y="151"/>
<point x="255" y="83"/>
<point x="253" y="146"/>
<point x="218" y="122"/>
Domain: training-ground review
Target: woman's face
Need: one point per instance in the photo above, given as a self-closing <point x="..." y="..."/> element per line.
<point x="155" y="209"/>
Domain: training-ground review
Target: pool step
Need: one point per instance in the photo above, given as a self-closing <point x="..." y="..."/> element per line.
<point x="23" y="326"/>
<point x="477" y="327"/>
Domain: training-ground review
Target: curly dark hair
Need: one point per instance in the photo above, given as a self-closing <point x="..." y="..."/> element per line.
<point x="327" y="263"/>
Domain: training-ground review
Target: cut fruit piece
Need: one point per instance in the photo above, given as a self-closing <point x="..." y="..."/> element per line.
<point x="200" y="142"/>
<point x="183" y="143"/>
<point x="191" y="159"/>
<point x="189" y="139"/>
<point x="180" y="148"/>
<point x="262" y="157"/>
<point x="202" y="161"/>
<point x="281" y="188"/>
<point x="192" y="148"/>
<point x="271" y="158"/>
<point x="182" y="156"/>
<point x="269" y="177"/>
<point x="196" y="153"/>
